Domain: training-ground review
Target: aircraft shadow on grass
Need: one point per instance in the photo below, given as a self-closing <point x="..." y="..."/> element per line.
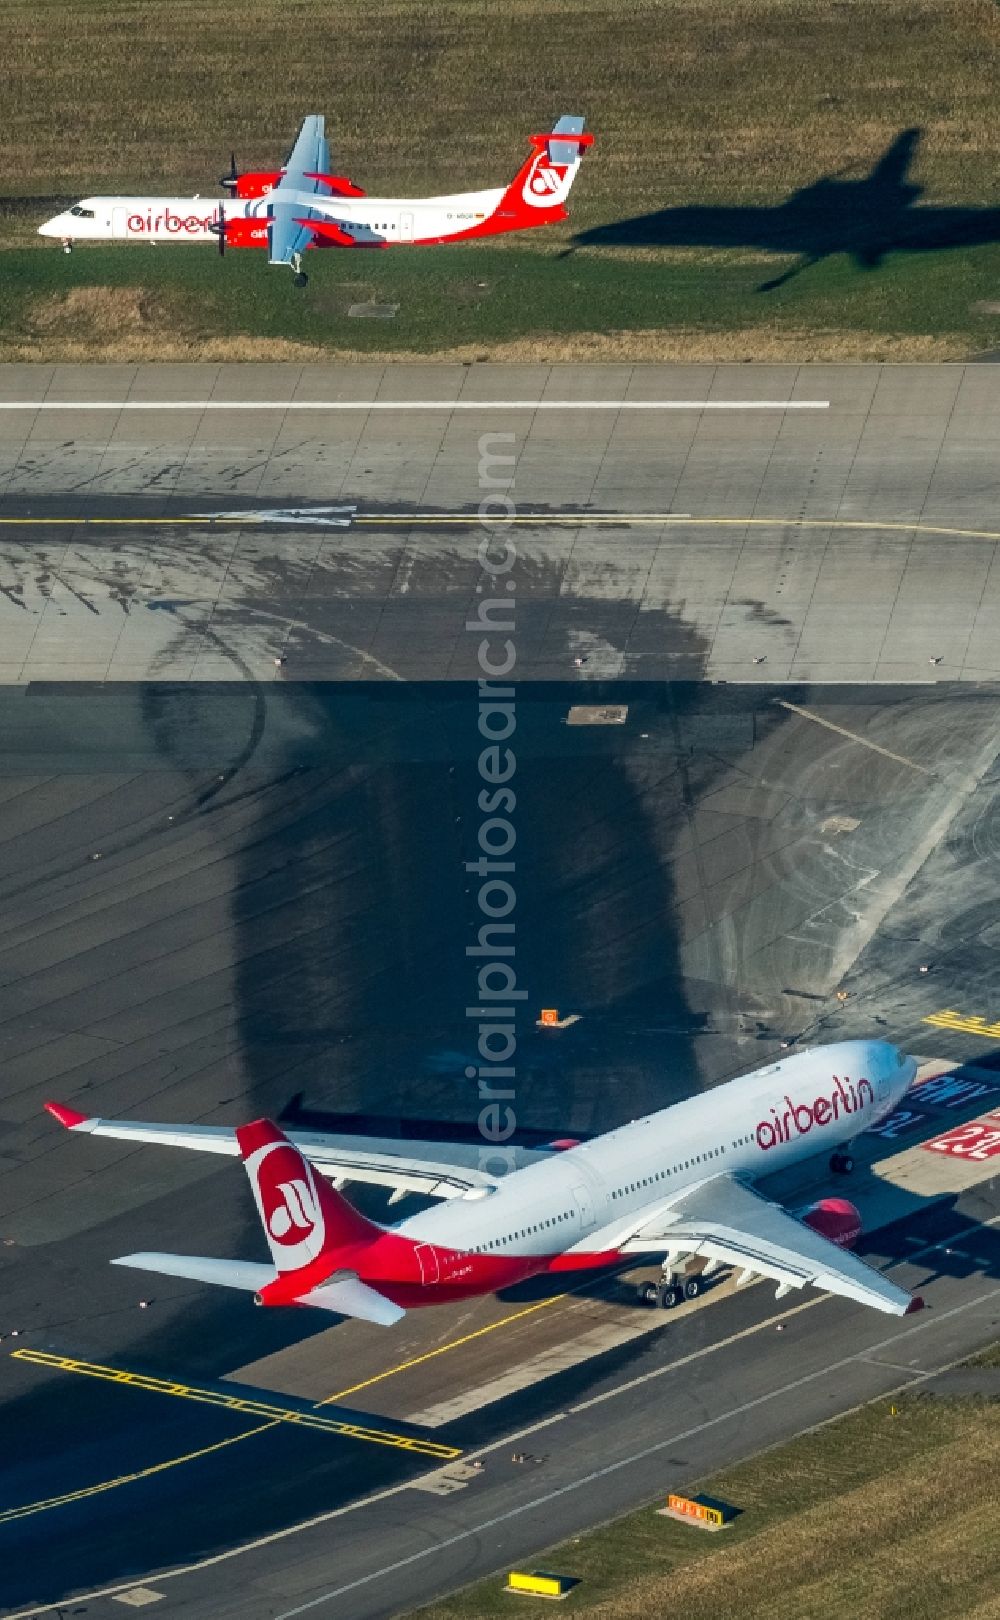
<point x="868" y="218"/>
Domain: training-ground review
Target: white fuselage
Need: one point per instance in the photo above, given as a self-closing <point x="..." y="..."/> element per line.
<point x="586" y="1198"/>
<point x="366" y="221"/>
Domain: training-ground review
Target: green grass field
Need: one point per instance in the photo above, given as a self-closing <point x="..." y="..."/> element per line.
<point x="874" y="1517"/>
<point x="709" y="115"/>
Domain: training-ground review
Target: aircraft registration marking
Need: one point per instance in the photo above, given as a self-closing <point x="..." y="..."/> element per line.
<point x="242" y="1406"/>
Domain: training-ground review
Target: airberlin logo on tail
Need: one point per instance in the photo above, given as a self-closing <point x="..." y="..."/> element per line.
<point x="288" y="1202"/>
<point x="797" y="1119"/>
<point x="295" y="1215"/>
<point x="544" y="183"/>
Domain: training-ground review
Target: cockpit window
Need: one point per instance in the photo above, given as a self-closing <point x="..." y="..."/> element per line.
<point x="82" y="213"/>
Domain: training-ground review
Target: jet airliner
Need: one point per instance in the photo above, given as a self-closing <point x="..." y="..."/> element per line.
<point x="677" y="1186"/>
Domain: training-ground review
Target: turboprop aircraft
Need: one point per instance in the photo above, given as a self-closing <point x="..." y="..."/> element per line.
<point x="676" y="1185"/>
<point x="303" y="205"/>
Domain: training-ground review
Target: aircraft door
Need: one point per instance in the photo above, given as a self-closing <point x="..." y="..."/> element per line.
<point x="585" y="1206"/>
<point x="427" y="1260"/>
<point x="406" y="227"/>
<point x="119" y="227"/>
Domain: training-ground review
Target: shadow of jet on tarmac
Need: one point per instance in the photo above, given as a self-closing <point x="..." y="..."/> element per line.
<point x="867" y="218"/>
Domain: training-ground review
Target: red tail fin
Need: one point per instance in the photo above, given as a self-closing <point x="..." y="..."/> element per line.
<point x="538" y="192"/>
<point x="302" y="1215"/>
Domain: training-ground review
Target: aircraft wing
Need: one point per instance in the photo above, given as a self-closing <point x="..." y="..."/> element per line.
<point x="288" y="202"/>
<point x="436" y="1169"/>
<point x="725" y="1220"/>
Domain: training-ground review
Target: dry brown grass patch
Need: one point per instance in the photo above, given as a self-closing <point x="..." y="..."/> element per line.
<point x="106" y="313"/>
<point x="131" y="326"/>
<point x="830" y="1569"/>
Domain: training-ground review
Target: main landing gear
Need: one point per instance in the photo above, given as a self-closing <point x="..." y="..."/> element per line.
<point x="299" y="279"/>
<point x="670" y="1291"/>
<point x="841" y="1163"/>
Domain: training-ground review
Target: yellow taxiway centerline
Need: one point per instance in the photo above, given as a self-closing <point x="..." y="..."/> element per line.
<point x="442" y="1349"/>
<point x="237" y="1404"/>
<point x="576" y="520"/>
<point x="85" y="1491"/>
<point x="241" y="1405"/>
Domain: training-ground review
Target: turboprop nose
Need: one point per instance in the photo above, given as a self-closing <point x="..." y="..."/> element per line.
<point x="58" y="225"/>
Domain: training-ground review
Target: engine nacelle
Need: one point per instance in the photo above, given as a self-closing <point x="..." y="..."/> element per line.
<point x="258" y="183"/>
<point x="834" y="1218"/>
<point x="246" y="233"/>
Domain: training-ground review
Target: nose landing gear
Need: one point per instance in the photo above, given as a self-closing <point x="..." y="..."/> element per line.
<point x="67" y="244"/>
<point x="841" y="1164"/>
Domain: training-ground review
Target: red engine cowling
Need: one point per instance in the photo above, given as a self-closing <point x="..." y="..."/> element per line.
<point x="834" y="1218"/>
<point x="257" y="184"/>
<point x="246" y="233"/>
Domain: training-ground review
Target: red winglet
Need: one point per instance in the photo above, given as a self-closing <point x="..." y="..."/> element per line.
<point x="916" y="1304"/>
<point x="66" y="1116"/>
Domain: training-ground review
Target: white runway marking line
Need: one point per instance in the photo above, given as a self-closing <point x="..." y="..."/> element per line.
<point x="854" y="737"/>
<point x="479" y="1530"/>
<point x="416" y="405"/>
<point x="484" y="1451"/>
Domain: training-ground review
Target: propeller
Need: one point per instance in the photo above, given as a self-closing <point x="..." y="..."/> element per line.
<point x="218" y="228"/>
<point x="229" y="181"/>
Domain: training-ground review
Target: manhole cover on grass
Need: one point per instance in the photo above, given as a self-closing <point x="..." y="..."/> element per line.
<point x="373" y="312"/>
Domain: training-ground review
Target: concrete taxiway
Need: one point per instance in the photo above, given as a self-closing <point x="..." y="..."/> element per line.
<point x="232" y="886"/>
<point x="811" y="523"/>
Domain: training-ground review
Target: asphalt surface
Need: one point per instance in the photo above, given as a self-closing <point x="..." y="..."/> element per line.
<point x="850" y="534"/>
<point x="232" y="887"/>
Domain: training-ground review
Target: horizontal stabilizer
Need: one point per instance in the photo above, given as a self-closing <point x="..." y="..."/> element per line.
<point x="345" y="1294"/>
<point x="247" y="1274"/>
<point x="349" y="1296"/>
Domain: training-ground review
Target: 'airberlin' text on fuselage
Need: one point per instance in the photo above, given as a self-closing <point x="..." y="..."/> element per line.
<point x="177" y="224"/>
<point x="799" y="1118"/>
